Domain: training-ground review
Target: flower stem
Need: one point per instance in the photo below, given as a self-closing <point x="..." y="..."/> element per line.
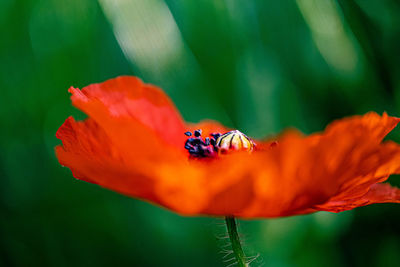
<point x="235" y="241"/>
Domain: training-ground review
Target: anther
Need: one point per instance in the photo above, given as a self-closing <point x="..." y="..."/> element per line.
<point x="212" y="141"/>
<point x="197" y="133"/>
<point x="215" y="135"/>
<point x="207" y="141"/>
<point x="187" y="146"/>
<point x="199" y="147"/>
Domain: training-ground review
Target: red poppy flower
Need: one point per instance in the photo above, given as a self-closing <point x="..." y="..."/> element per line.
<point x="133" y="142"/>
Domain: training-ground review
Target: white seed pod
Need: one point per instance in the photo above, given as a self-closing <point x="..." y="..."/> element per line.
<point x="234" y="140"/>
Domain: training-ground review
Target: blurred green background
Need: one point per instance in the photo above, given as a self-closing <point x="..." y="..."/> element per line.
<point x="259" y="66"/>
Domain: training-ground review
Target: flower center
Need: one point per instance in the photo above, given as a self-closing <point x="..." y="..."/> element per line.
<point x="234" y="140"/>
<point x="217" y="143"/>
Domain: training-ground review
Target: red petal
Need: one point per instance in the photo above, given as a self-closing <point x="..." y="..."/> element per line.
<point x="301" y="173"/>
<point x="375" y="127"/>
<point x="378" y="193"/>
<point x="92" y="157"/>
<point x="126" y="101"/>
<point x="370" y="162"/>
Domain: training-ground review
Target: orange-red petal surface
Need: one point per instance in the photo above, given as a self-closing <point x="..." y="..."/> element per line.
<point x="128" y="99"/>
<point x="92" y="157"/>
<point x="377" y="193"/>
<point x="133" y="142"/>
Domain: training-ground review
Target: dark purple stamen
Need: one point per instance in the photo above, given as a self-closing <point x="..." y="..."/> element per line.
<point x="212" y="141"/>
<point x="199" y="147"/>
<point x="216" y="135"/>
<point x="207" y="142"/>
<point x="197" y="133"/>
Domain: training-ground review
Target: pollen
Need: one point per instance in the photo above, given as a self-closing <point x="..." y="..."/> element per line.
<point x="234" y="140"/>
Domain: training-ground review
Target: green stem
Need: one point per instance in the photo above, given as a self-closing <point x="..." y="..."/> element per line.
<point x="235" y="241"/>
